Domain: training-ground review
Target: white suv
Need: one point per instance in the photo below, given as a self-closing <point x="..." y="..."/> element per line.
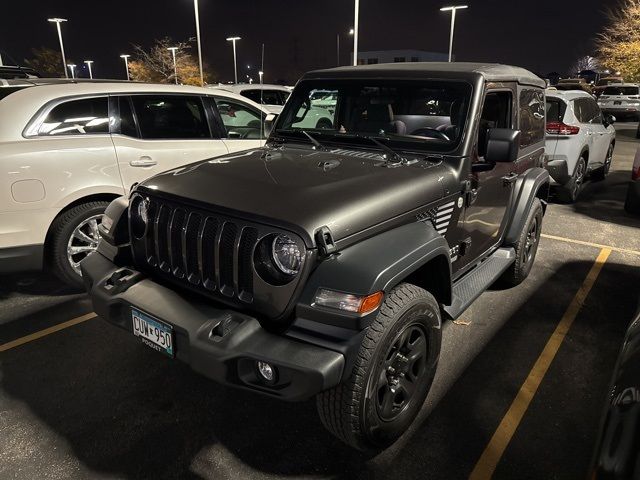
<point x="580" y="141"/>
<point x="69" y="148"/>
<point x="621" y="100"/>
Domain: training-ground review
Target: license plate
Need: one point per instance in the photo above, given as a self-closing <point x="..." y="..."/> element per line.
<point x="153" y="332"/>
<point x="618" y="102"/>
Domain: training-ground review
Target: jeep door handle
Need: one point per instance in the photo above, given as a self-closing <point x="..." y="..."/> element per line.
<point x="143" y="161"/>
<point x="509" y="179"/>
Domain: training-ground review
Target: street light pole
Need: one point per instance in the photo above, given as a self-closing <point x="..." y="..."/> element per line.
<point x="89" y="62"/>
<point x="338" y="49"/>
<point x="126" y="64"/>
<point x="195" y="7"/>
<point x="175" y="65"/>
<point x="72" y="67"/>
<point x="453" y="10"/>
<point x="355" y="32"/>
<point x="235" y="61"/>
<point x="58" y="21"/>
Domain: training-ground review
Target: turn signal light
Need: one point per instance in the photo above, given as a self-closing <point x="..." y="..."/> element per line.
<point x="371" y="302"/>
<point x="347" y="301"/>
<point x="559" y="128"/>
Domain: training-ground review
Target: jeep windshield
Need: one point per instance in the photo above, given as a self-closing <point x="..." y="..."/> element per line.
<point x="413" y="115"/>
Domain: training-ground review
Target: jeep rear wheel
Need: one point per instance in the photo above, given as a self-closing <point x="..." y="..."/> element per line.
<point x="392" y="373"/>
<point x="526" y="247"/>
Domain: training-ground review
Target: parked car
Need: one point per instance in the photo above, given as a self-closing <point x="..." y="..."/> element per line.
<point x="10" y="72"/>
<point x="621" y="100"/>
<point x="618" y="444"/>
<point x="604" y="82"/>
<point x="574" y="84"/>
<point x="69" y="148"/>
<point x="325" y="263"/>
<point x="632" y="202"/>
<point x="273" y="97"/>
<point x="580" y="141"/>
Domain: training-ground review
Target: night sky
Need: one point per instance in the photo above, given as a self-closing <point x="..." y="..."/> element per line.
<point x="299" y="35"/>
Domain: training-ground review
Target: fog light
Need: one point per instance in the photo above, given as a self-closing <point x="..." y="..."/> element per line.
<point x="267" y="372"/>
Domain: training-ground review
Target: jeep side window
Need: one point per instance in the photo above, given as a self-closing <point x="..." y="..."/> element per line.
<point x="532" y="114"/>
<point x="496" y="113"/>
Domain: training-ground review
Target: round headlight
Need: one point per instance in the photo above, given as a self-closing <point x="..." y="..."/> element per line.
<point x="139" y="216"/>
<point x="286" y="255"/>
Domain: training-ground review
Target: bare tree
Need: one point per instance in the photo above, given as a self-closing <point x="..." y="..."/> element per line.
<point x="619" y="43"/>
<point x="585" y="63"/>
<point x="46" y="62"/>
<point x="156" y="64"/>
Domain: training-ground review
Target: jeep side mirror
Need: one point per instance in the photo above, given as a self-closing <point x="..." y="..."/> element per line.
<point x="269" y="122"/>
<point x="502" y="145"/>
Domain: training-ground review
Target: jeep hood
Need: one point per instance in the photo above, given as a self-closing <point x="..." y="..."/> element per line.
<point x="304" y="189"/>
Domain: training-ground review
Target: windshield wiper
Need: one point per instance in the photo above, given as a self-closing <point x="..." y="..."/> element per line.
<point x="390" y="154"/>
<point x="315" y="142"/>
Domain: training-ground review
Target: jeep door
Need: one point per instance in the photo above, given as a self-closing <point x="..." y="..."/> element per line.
<point x="158" y="132"/>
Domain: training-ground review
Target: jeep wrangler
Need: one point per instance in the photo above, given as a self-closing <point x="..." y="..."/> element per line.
<point x="324" y="263"/>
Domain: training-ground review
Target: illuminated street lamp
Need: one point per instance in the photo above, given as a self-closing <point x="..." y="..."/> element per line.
<point x="195" y="7"/>
<point x="355" y="31"/>
<point x="126" y="64"/>
<point x="72" y="67"/>
<point x="175" y="65"/>
<point x="235" y="63"/>
<point x="89" y="62"/>
<point x="58" y="21"/>
<point x="453" y="11"/>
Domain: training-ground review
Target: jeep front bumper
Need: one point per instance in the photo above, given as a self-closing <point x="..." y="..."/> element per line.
<point x="221" y="344"/>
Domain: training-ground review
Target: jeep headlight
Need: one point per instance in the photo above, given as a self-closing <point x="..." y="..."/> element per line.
<point x="286" y="255"/>
<point x="139" y="216"/>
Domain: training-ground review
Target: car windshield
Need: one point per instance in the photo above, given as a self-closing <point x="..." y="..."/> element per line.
<point x="632" y="90"/>
<point x="415" y="114"/>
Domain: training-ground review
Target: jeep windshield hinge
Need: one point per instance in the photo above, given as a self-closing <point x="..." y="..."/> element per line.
<point x="324" y="239"/>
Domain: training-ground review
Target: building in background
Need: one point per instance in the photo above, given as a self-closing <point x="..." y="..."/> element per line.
<point x="398" y="56"/>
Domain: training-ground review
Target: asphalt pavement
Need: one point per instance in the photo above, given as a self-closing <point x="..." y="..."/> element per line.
<point x="89" y="401"/>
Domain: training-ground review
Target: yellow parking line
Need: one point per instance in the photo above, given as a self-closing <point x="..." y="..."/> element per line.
<point x="590" y="244"/>
<point x="47" y="331"/>
<point x="497" y="445"/>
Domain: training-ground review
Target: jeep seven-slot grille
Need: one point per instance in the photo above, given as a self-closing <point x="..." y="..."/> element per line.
<point x="199" y="249"/>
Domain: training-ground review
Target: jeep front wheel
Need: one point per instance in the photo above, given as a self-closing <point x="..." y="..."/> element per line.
<point x="392" y="373"/>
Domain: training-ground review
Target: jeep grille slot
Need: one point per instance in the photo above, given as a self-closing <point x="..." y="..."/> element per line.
<point x="209" y="253"/>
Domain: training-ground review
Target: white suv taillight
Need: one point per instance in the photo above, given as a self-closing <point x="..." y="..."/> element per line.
<point x="559" y="128"/>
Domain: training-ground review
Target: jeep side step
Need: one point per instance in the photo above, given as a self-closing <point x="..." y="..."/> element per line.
<point x="471" y="285"/>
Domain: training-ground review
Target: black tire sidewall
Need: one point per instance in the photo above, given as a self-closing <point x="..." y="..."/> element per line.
<point x="380" y="432"/>
<point x="61" y="232"/>
<point x="525" y="267"/>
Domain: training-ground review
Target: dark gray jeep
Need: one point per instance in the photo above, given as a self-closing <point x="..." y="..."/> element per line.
<point x="325" y="263"/>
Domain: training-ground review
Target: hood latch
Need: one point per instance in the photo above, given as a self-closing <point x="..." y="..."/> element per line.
<point x="324" y="240"/>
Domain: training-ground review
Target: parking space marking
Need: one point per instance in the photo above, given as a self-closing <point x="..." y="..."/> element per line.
<point x="492" y="454"/>
<point x="47" y="331"/>
<point x="590" y="244"/>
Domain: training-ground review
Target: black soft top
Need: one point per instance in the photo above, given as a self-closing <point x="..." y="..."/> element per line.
<point x="489" y="72"/>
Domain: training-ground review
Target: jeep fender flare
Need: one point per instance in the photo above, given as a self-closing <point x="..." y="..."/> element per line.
<point x="534" y="183"/>
<point x="381" y="262"/>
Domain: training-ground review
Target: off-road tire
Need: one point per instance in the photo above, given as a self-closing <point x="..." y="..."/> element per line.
<point x="526" y="247"/>
<point x="601" y="173"/>
<point x="570" y="192"/>
<point x="350" y="410"/>
<point x="59" y="235"/>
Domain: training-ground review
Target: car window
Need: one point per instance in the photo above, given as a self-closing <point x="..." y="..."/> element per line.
<point x="77" y="117"/>
<point x="127" y="123"/>
<point x="611" y="90"/>
<point x="240" y="120"/>
<point x="556" y="109"/>
<point x="496" y="113"/>
<point x="595" y="114"/>
<point x="269" y="97"/>
<point x="532" y="115"/>
<point x="171" y="116"/>
<point x="580" y="110"/>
